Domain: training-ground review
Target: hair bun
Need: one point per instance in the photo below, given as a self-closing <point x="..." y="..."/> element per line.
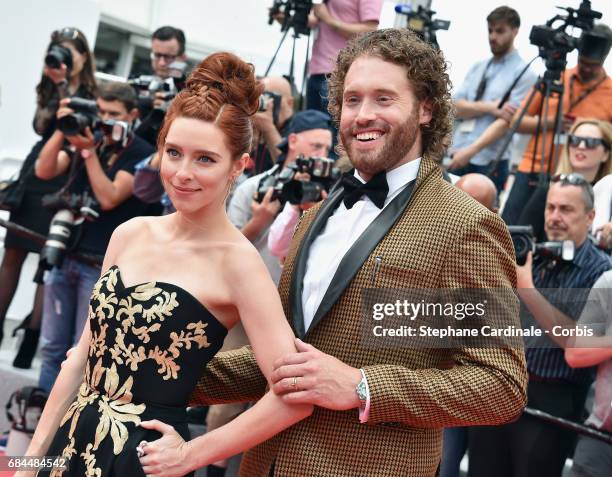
<point x="229" y="76"/>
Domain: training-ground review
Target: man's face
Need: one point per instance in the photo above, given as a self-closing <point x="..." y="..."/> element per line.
<point x="588" y="69"/>
<point x="381" y="117"/>
<point x="311" y="143"/>
<point x="501" y="38"/>
<point x="565" y="216"/>
<point x="162" y="54"/>
<point x="115" y="110"/>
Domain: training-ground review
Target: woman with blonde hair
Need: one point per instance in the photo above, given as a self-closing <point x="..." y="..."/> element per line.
<point x="587" y="152"/>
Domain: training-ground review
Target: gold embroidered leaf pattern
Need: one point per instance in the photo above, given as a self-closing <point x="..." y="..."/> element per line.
<point x="90" y="463"/>
<point x="163" y="307"/>
<point x="142" y="333"/>
<point x="97" y="345"/>
<point x="125" y="354"/>
<point x="84" y="397"/>
<point x="185" y="339"/>
<point x="146" y="291"/>
<point x="127" y="307"/>
<point x="167" y="367"/>
<point x="67" y="453"/>
<point x="105" y="303"/>
<point x="116" y="408"/>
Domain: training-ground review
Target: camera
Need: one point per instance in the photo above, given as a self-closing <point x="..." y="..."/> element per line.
<point x="323" y="174"/>
<point x="58" y="55"/>
<point x="276" y="104"/>
<point x="524" y="242"/>
<point x="148" y="86"/>
<point x="85" y="115"/>
<point x="555" y="43"/>
<point x="295" y="14"/>
<point x="422" y="23"/>
<point x="71" y="211"/>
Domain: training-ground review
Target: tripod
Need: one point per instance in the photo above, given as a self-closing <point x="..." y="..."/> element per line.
<point x="291" y="78"/>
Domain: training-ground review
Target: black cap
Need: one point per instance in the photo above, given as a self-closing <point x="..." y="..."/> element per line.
<point x="305" y="121"/>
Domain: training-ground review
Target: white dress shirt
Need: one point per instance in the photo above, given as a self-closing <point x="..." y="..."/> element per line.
<point x="343" y="228"/>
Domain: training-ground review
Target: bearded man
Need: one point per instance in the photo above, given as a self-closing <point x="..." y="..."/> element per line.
<point x="393" y="223"/>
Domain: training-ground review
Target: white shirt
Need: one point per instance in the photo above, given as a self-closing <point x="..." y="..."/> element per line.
<point x="603" y="195"/>
<point x="342" y="230"/>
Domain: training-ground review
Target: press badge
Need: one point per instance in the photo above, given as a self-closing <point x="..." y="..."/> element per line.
<point x="467" y="125"/>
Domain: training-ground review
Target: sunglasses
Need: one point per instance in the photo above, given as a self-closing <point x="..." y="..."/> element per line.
<point x="589" y="142"/>
<point x="68" y="33"/>
<point x="166" y="58"/>
<point x="570" y="179"/>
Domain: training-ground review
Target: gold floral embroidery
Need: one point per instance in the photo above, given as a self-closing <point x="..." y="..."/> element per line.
<point x="90" y="462"/>
<point x="121" y="353"/>
<point x="67" y="453"/>
<point x="116" y="408"/>
<point x="84" y="397"/>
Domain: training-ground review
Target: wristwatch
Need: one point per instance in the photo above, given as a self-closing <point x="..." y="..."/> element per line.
<point x="362" y="389"/>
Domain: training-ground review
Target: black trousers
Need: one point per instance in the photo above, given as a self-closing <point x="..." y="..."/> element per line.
<point x="529" y="447"/>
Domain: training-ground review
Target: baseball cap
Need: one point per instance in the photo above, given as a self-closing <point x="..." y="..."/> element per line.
<point x="305" y="121"/>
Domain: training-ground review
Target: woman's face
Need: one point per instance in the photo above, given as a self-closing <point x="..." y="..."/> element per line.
<point x="78" y="59"/>
<point x="197" y="166"/>
<point x="581" y="156"/>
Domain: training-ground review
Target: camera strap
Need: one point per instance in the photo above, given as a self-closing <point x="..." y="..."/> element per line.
<point x="584" y="94"/>
<point x="482" y="85"/>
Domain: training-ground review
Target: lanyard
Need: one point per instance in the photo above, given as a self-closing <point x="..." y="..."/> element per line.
<point x="584" y="94"/>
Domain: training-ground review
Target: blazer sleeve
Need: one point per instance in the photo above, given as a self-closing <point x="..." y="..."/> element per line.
<point x="482" y="386"/>
<point x="231" y="376"/>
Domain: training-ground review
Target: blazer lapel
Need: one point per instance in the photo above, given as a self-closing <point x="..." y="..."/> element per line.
<point x="359" y="252"/>
<point x="295" y="291"/>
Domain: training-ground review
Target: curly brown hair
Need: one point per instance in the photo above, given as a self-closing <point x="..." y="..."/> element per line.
<point x="426" y="70"/>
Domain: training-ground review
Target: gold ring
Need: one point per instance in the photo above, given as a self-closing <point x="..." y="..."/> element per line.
<point x="294" y="383"/>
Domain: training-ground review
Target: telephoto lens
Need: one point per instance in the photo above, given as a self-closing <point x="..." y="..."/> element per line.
<point x="57" y="240"/>
<point x="58" y="55"/>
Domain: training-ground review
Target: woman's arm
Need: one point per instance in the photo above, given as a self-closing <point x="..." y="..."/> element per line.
<point x="68" y="381"/>
<point x="52" y="160"/>
<point x="261" y="313"/>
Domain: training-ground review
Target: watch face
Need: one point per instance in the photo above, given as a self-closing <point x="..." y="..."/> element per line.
<point x="361" y="390"/>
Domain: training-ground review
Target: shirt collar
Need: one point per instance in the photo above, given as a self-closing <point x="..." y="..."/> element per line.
<point x="506" y="57"/>
<point x="400" y="176"/>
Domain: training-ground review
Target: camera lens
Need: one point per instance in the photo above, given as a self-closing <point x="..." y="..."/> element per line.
<point x="300" y="192"/>
<point x="57" y="56"/>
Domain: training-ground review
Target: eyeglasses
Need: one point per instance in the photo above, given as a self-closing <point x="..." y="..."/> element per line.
<point x="571" y="179"/>
<point x="166" y="58"/>
<point x="589" y="142"/>
<point x="68" y="33"/>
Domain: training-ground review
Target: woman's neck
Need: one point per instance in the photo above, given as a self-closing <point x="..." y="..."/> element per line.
<point x="205" y="223"/>
<point x="589" y="174"/>
<point x="73" y="84"/>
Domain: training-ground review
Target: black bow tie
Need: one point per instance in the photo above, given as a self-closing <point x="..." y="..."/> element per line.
<point x="376" y="189"/>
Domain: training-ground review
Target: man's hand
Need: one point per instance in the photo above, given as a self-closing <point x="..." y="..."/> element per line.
<point x="507" y="112"/>
<point x="57" y="75"/>
<point x="63" y="109"/>
<point x="605" y="235"/>
<point x="461" y="157"/>
<point x="264" y="120"/>
<point x="319" y="379"/>
<point x="83" y="142"/>
<point x="524" y="274"/>
<point x="159" y="100"/>
<point x="322" y="13"/>
<point x="265" y="212"/>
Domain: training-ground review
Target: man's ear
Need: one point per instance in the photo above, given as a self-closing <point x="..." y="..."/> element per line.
<point x="134" y="113"/>
<point x="425" y="112"/>
<point x="292" y="140"/>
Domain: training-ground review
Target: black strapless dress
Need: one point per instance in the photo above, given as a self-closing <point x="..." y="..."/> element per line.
<point x="148" y="345"/>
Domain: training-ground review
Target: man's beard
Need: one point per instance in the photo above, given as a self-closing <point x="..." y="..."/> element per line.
<point x="396" y="147"/>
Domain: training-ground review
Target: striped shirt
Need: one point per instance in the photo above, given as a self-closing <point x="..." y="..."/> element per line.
<point x="553" y="280"/>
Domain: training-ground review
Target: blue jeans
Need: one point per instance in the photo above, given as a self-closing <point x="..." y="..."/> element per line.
<point x="499" y="176"/>
<point x="454" y="445"/>
<point x="522" y="190"/>
<point x="317" y="92"/>
<point x="66" y="303"/>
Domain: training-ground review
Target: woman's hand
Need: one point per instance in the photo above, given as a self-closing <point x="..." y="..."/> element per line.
<point x="168" y="456"/>
<point x="57" y="75"/>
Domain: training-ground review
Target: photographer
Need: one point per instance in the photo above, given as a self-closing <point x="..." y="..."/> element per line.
<point x="167" y="47"/>
<point x="529" y="446"/>
<point x="271" y="123"/>
<point x="68" y="71"/>
<point x="337" y="21"/>
<point x="102" y="168"/>
<point x="309" y="135"/>
<point x="587" y="94"/>
<point x="477" y="100"/>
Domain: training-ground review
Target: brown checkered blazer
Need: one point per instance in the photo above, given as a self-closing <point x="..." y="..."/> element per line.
<point x="440" y="239"/>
